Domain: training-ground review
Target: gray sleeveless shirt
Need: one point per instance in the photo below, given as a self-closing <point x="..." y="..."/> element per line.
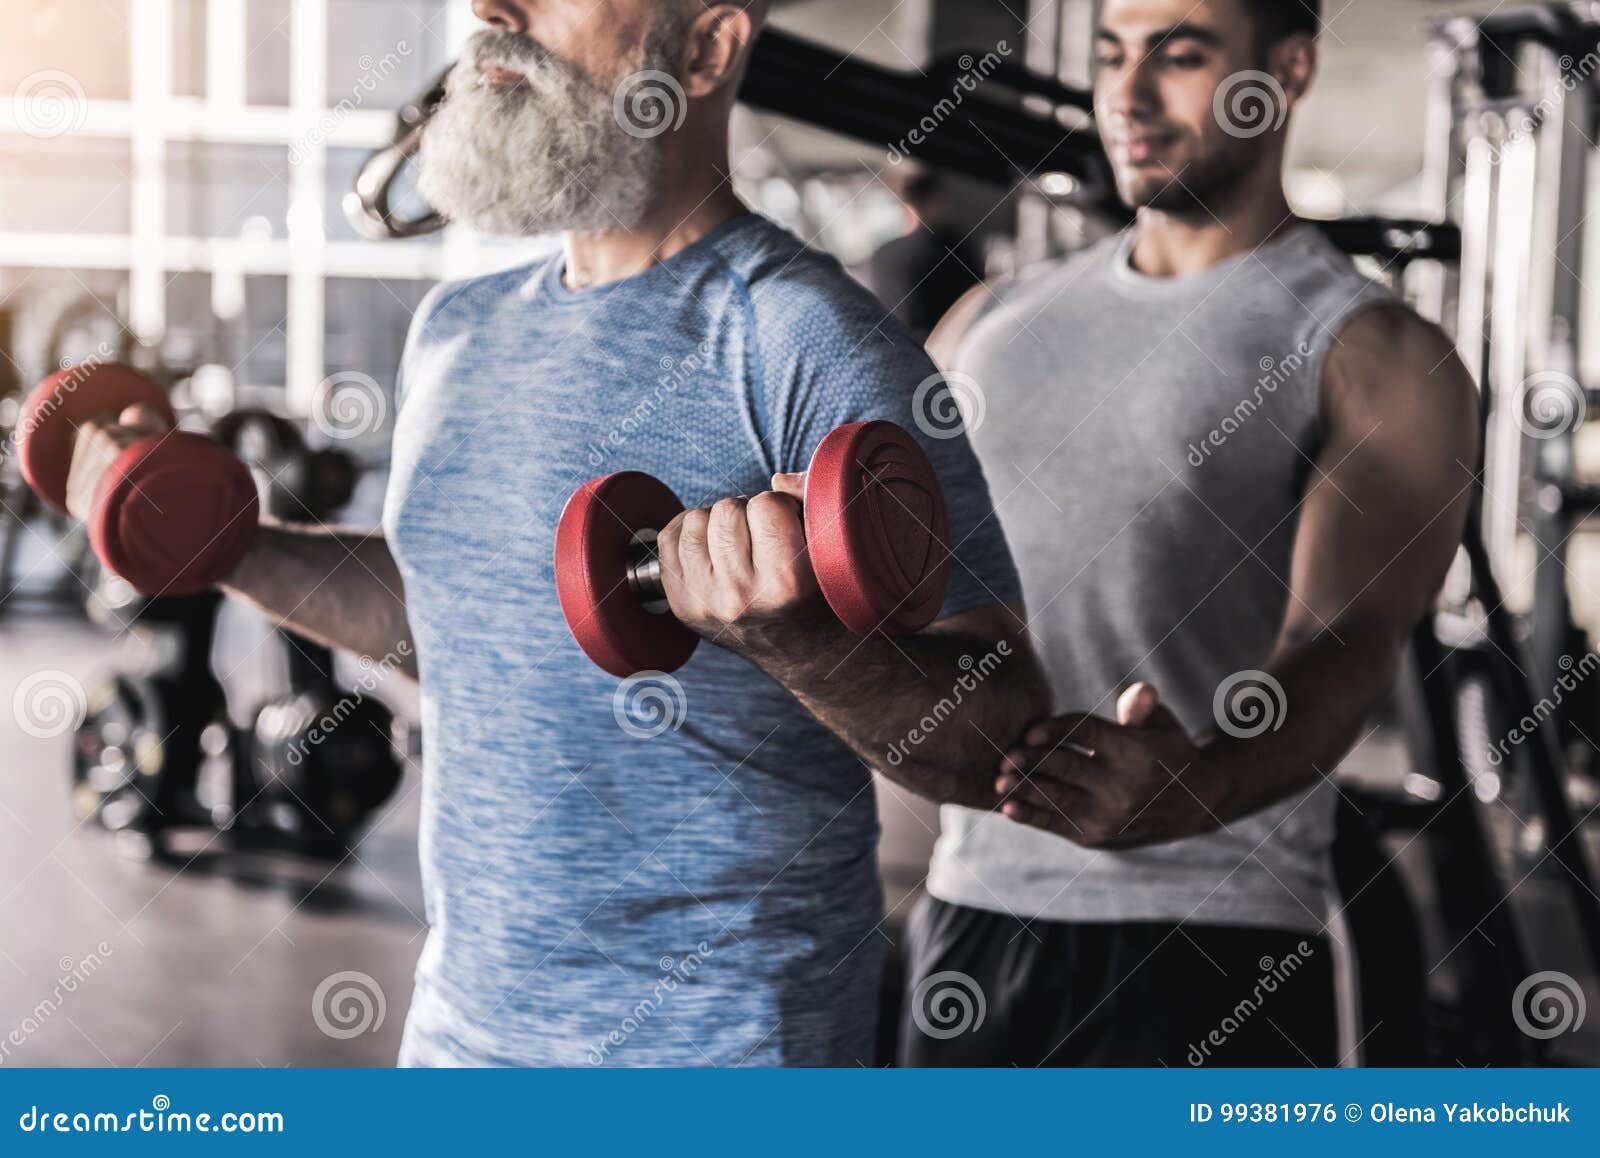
<point x="1148" y="442"/>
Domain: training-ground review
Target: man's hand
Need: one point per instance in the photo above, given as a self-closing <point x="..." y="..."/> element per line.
<point x="739" y="573"/>
<point x="98" y="444"/>
<point x="1109" y="786"/>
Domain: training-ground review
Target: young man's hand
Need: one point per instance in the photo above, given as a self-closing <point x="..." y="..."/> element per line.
<point x="1107" y="785"/>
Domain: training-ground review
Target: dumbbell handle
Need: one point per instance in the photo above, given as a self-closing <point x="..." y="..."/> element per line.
<point x="644" y="573"/>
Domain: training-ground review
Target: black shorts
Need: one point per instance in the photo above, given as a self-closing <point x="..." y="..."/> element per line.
<point x="985" y="989"/>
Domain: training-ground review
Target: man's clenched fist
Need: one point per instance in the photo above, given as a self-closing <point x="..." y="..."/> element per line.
<point x="739" y="574"/>
<point x="98" y="443"/>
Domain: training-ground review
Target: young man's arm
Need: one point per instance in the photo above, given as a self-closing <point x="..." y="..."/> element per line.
<point x="1381" y="522"/>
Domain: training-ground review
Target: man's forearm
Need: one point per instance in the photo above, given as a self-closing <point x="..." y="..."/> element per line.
<point x="1330" y="685"/>
<point x="338" y="587"/>
<point x="934" y="713"/>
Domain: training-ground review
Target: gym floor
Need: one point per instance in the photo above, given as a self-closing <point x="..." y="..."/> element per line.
<point x="218" y="964"/>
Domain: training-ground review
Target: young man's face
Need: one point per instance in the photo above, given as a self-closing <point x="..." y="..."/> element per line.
<point x="1159" y="67"/>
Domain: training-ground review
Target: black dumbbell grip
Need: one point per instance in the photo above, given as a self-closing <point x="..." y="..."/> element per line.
<point x="644" y="573"/>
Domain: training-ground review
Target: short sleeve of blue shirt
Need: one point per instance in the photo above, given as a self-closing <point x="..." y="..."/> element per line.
<point x="828" y="354"/>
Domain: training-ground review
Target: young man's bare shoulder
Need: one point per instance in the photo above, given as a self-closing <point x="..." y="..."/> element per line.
<point x="1388" y="364"/>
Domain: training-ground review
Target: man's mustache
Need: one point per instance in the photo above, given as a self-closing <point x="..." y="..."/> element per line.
<point x="494" y="47"/>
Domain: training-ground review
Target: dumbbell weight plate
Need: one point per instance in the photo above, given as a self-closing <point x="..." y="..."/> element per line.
<point x="199" y="498"/>
<point x="175" y="512"/>
<point x="48" y="422"/>
<point x="877" y="529"/>
<point x="612" y="627"/>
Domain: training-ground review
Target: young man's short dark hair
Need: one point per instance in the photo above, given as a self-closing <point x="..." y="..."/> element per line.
<point x="1276" y="19"/>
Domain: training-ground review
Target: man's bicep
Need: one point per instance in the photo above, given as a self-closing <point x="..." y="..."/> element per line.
<point x="1388" y="495"/>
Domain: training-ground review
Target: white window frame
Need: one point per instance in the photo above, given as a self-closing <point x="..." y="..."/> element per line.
<point x="153" y="117"/>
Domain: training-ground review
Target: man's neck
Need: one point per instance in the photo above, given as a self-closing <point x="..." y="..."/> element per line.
<point x="1180" y="244"/>
<point x="677" y="221"/>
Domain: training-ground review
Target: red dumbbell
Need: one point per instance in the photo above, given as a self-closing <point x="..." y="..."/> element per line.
<point x="876" y="529"/>
<point x="173" y="515"/>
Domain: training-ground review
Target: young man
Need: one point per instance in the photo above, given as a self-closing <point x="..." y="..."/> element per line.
<point x="1233" y="473"/>
<point x="604" y="885"/>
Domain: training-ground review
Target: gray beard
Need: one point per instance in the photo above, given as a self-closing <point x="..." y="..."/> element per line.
<point x="547" y="157"/>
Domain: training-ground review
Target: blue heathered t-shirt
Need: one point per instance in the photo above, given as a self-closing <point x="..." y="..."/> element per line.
<point x="681" y="872"/>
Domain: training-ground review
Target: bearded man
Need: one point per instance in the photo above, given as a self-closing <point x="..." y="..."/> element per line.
<point x="603" y="888"/>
